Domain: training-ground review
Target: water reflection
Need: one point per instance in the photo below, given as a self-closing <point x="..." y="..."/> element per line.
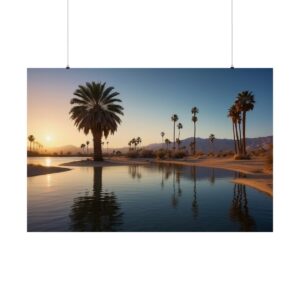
<point x="150" y="197"/>
<point x="239" y="211"/>
<point x="135" y="171"/>
<point x="195" y="207"/>
<point x="97" y="210"/>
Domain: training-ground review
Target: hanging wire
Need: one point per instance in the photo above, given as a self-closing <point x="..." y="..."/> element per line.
<point x="232" y="67"/>
<point x="68" y="34"/>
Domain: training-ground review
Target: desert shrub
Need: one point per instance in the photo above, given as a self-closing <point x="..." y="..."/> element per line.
<point x="178" y="154"/>
<point x="199" y="153"/>
<point x="161" y="154"/>
<point x="241" y="156"/>
<point x="147" y="153"/>
<point x="269" y="158"/>
<point x="118" y="153"/>
<point x="132" y="154"/>
<point x="228" y="154"/>
<point x="220" y="154"/>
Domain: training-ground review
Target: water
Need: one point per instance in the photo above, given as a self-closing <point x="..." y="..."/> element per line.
<point x="144" y="198"/>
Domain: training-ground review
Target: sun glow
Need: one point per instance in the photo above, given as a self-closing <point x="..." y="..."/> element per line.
<point x="48" y="138"/>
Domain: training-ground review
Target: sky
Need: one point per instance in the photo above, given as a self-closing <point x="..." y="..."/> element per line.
<point x="149" y="98"/>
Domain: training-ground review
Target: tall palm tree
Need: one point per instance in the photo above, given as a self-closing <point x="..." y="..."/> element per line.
<point x="82" y="146"/>
<point x="96" y="110"/>
<point x="212" y="139"/>
<point x="134" y="142"/>
<point x="87" y="147"/>
<point x="178" y="142"/>
<point x="138" y="140"/>
<point x="168" y="142"/>
<point x="31" y="139"/>
<point x="194" y="112"/>
<point x="174" y="119"/>
<point x="162" y="137"/>
<point x="244" y="103"/>
<point x="234" y="114"/>
<point x="179" y="126"/>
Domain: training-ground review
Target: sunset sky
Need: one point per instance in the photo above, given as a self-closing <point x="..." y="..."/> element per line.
<point x="150" y="97"/>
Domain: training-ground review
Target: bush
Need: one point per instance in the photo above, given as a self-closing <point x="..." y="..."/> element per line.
<point x="200" y="153"/>
<point x="132" y="154"/>
<point x="241" y="156"/>
<point x="178" y="154"/>
<point x="147" y="153"/>
<point x="269" y="158"/>
<point x="161" y="154"/>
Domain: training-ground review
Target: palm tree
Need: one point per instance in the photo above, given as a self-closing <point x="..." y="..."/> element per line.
<point x="96" y="110"/>
<point x="212" y="139"/>
<point x="82" y="146"/>
<point x="179" y="126"/>
<point x="162" y="137"/>
<point x="192" y="147"/>
<point x="244" y="102"/>
<point x="194" y="111"/>
<point x="87" y="147"/>
<point x="174" y="119"/>
<point x="234" y="114"/>
<point x="168" y="142"/>
<point x="129" y="144"/>
<point x="134" y="142"/>
<point x="178" y="142"/>
<point x="138" y="140"/>
<point x="31" y="139"/>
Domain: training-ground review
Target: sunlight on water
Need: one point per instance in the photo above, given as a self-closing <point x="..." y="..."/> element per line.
<point x="48" y="161"/>
<point x="48" y="176"/>
<point x="146" y="198"/>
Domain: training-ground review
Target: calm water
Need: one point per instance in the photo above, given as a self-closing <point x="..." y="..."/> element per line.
<point x="144" y="198"/>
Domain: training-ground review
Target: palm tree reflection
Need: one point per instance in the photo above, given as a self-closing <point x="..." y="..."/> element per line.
<point x="96" y="211"/>
<point x="239" y="210"/>
<point x="134" y="171"/>
<point x="195" y="207"/>
<point x="212" y="177"/>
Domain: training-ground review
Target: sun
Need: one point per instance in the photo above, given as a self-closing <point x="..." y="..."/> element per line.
<point x="48" y="138"/>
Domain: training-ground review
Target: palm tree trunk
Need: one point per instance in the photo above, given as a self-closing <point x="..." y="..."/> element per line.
<point x="240" y="139"/>
<point x="238" y="145"/>
<point x="97" y="140"/>
<point x="194" y="138"/>
<point x="174" y="137"/>
<point x="234" y="138"/>
<point x="244" y="132"/>
<point x="30" y="146"/>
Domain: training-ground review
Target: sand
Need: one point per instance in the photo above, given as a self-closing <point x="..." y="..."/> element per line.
<point x="35" y="170"/>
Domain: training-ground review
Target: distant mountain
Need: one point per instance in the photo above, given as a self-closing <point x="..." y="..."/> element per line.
<point x="219" y="144"/>
<point x="202" y="145"/>
<point x="65" y="149"/>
